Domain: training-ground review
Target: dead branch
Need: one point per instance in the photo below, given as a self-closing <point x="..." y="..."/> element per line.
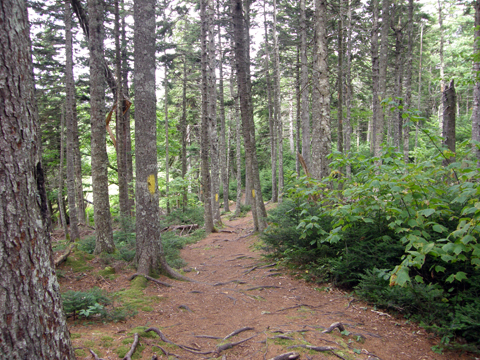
<point x="227" y="231"/>
<point x="286" y="356"/>
<point x="132" y="349"/>
<point x="90" y="227"/>
<point x="263" y="287"/>
<point x="149" y="278"/>
<point x="95" y="356"/>
<point x="188" y="227"/>
<point x="314" y="348"/>
<point x="59" y="260"/>
<point x="226" y="346"/>
<point x="236" y="332"/>
<point x="338" y="325"/>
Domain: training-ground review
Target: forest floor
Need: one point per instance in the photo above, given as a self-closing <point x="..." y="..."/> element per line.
<point x="236" y="288"/>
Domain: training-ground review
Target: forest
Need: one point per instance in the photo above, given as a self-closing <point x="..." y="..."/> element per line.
<point x="132" y="129"/>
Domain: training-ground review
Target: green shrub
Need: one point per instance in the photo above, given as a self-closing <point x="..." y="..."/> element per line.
<point x="85" y="303"/>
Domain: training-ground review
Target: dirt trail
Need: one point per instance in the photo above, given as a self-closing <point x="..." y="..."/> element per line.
<point x="235" y="289"/>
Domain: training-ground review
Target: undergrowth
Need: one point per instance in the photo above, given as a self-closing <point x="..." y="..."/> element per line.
<point x="403" y="236"/>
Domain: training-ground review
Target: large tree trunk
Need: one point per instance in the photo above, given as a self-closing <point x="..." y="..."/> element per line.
<point x="299" y="121"/>
<point x="321" y="132"/>
<point x="449" y="100"/>
<point x="271" y="119"/>
<point x="340" y="82"/>
<point x="397" y="119"/>
<point x="442" y="64"/>
<point x="258" y="208"/>
<point x="382" y="76"/>
<point x="69" y="117"/>
<point x="277" y="102"/>
<point x="32" y="321"/>
<point x="167" y="148"/>
<point x="183" y="131"/>
<point x="476" y="89"/>
<point x="103" y="222"/>
<point x="205" y="139"/>
<point x="238" y="140"/>
<point x="305" y="114"/>
<point x="419" y="97"/>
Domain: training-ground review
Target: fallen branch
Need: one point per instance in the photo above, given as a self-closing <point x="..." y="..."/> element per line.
<point x="188" y="227"/>
<point x="128" y="356"/>
<point x="314" y="348"/>
<point x="149" y="278"/>
<point x="236" y="332"/>
<point x="59" y="260"/>
<point x="287" y="356"/>
<point x="338" y="325"/>
<point x="227" y="231"/>
<point x="380" y="313"/>
<point x="91" y="227"/>
<point x="263" y="287"/>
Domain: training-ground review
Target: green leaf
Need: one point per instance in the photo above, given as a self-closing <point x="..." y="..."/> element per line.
<point x="466" y="239"/>
<point x="419" y="279"/>
<point x="439" y="228"/>
<point x="439" y="268"/>
<point x="426" y="212"/>
<point x="460" y="276"/>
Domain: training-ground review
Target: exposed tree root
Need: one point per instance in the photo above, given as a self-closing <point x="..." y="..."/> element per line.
<point x="285" y="337"/>
<point x="250" y="270"/>
<point x="338" y="325"/>
<point x="267" y="266"/>
<point x="208" y="337"/>
<point x="95" y="356"/>
<point x="231" y="298"/>
<point x="245" y="236"/>
<point x="227" y="346"/>
<point x="236" y="332"/>
<point x="128" y="356"/>
<point x="314" y="348"/>
<point x="59" y="260"/>
<point x="263" y="287"/>
<point x="296" y="306"/>
<point x="166" y="352"/>
<point x="228" y="282"/>
<point x="287" y="356"/>
<point x="185" y="307"/>
<point x="149" y="278"/>
<point x="228" y="231"/>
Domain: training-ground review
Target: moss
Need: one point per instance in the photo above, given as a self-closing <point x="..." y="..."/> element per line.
<point x="81" y="352"/>
<point x="106" y="341"/>
<point x="147" y="309"/>
<point x="138" y="352"/>
<point x="122" y="351"/>
<point x="127" y="341"/>
<point x="78" y="261"/>
<point x="139" y="283"/>
<point x="136" y="298"/>
<point x="140" y="330"/>
<point x="75" y="336"/>
<point x="89" y="343"/>
<point x="107" y="271"/>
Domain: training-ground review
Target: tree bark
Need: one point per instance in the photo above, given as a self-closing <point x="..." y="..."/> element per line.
<point x="408" y="82"/>
<point x="60" y="198"/>
<point x="103" y="223"/>
<point x="306" y="132"/>
<point x="321" y="132"/>
<point x="476" y="89"/>
<point x="449" y="100"/>
<point x="205" y="139"/>
<point x="340" y="82"/>
<point x="382" y="76"/>
<point x="419" y="98"/>
<point x="271" y="119"/>
<point x="32" y="321"/>
<point x="121" y="127"/>
<point x="222" y="145"/>
<point x="238" y="139"/>
<point x="277" y="102"/>
<point x="258" y="207"/>
<point x="442" y="64"/>
<point x="167" y="148"/>
<point x="348" y="94"/>
<point x="397" y="119"/>
<point x="183" y="130"/>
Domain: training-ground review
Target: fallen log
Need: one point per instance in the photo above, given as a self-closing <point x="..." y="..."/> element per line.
<point x="338" y="325"/>
<point x="188" y="227"/>
<point x="59" y="260"/>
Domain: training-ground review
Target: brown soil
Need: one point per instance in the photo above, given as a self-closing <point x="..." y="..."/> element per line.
<point x="235" y="289"/>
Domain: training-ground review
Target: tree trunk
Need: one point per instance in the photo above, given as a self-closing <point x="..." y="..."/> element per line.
<point x="222" y="145"/>
<point x="442" y="64"/>
<point x="212" y="112"/>
<point x="258" y="208"/>
<point x="277" y="102"/>
<point x="271" y="119"/>
<point x="449" y="103"/>
<point x="183" y="130"/>
<point x="397" y="118"/>
<point x="340" y="82"/>
<point x="382" y="76"/>
<point x="348" y="95"/>
<point x="32" y="321"/>
<point x="305" y="114"/>
<point x="377" y="109"/>
<point x="238" y="139"/>
<point x="299" y="119"/>
<point x="321" y="133"/>
<point x="60" y="198"/>
<point x="419" y="99"/>
<point x="476" y="89"/>
<point x="291" y="136"/>
<point x="205" y="140"/>
<point x="121" y="126"/>
<point x="167" y="149"/>
<point x="408" y="82"/>
<point x="103" y="223"/>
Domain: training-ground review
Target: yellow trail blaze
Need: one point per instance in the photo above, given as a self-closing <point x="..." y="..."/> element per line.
<point x="151" y="184"/>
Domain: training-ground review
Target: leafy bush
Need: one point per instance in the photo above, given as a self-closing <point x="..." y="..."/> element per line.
<point x="85" y="303"/>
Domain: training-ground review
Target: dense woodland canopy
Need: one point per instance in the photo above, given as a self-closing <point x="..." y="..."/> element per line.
<point x="357" y="117"/>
